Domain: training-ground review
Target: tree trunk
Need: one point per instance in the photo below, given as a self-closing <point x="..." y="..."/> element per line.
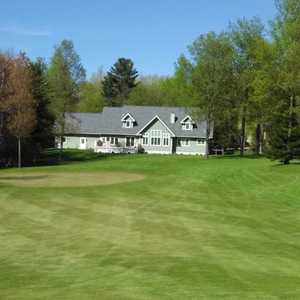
<point x="19" y="153"/>
<point x="290" y="128"/>
<point x="243" y="133"/>
<point x="290" y="117"/>
<point x="258" y="143"/>
<point x="207" y="139"/>
<point x="61" y="147"/>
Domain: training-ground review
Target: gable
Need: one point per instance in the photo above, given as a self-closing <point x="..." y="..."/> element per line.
<point x="187" y="119"/>
<point x="156" y="124"/>
<point x="128" y="117"/>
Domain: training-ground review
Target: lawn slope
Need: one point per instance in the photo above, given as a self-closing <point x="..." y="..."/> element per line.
<point x="188" y="228"/>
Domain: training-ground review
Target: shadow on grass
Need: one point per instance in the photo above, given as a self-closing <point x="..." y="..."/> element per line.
<point x="257" y="157"/>
<point x="52" y="157"/>
<point x="238" y="156"/>
<point x="281" y="164"/>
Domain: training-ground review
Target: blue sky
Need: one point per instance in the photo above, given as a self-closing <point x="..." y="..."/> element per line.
<point x="153" y="33"/>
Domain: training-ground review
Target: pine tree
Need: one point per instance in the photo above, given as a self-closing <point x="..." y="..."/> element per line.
<point x="42" y="135"/>
<point x="119" y="82"/>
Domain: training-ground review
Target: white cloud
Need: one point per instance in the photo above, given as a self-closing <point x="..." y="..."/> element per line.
<point x="24" y="31"/>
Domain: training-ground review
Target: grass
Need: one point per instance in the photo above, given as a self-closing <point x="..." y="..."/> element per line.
<point x="189" y="228"/>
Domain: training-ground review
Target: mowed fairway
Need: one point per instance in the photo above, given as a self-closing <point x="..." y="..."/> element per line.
<point x="174" y="228"/>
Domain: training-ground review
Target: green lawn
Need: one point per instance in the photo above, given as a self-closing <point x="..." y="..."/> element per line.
<point x="178" y="228"/>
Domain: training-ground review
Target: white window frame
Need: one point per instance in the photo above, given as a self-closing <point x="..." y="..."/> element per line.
<point x="187" y="126"/>
<point x="165" y="137"/>
<point x="185" y="142"/>
<point x="155" y="138"/>
<point x="200" y="142"/>
<point x="127" y="124"/>
<point x="145" y="138"/>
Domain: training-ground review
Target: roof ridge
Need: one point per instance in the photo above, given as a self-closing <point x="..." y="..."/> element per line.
<point x="146" y="106"/>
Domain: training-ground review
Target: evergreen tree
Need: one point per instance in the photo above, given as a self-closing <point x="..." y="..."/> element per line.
<point x="119" y="82"/>
<point x="42" y="136"/>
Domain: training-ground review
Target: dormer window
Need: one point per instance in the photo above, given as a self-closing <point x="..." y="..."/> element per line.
<point x="187" y="126"/>
<point x="187" y="123"/>
<point x="128" y="121"/>
<point x="127" y="124"/>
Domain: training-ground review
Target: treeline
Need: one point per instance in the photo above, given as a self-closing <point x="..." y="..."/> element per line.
<point x="244" y="80"/>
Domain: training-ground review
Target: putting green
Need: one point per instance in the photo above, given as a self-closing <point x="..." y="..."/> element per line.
<point x="67" y="179"/>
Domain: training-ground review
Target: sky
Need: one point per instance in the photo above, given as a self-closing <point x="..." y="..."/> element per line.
<point x="153" y="33"/>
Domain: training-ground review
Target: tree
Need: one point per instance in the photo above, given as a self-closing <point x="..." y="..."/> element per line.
<point x="213" y="79"/>
<point x="5" y="69"/>
<point x="65" y="75"/>
<point x="147" y="92"/>
<point x="285" y="123"/>
<point x="264" y="93"/>
<point x="246" y="36"/>
<point x="119" y="82"/>
<point x="176" y="90"/>
<point x="91" y="97"/>
<point x="42" y="135"/>
<point x="19" y="104"/>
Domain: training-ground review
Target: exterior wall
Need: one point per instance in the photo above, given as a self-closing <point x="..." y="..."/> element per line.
<point x="91" y="142"/>
<point x="73" y="142"/>
<point x="157" y="148"/>
<point x="121" y="140"/>
<point x="192" y="149"/>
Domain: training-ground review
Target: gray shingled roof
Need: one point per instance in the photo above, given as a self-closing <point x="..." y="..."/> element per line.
<point x="109" y="121"/>
<point x="83" y="123"/>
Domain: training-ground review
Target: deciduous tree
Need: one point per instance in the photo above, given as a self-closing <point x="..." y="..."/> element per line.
<point x="285" y="124"/>
<point x="91" y="97"/>
<point x="19" y="105"/>
<point x="65" y="75"/>
<point x="213" y="79"/>
<point x="246" y="36"/>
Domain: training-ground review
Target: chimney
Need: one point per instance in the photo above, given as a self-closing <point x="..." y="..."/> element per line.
<point x="172" y="118"/>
